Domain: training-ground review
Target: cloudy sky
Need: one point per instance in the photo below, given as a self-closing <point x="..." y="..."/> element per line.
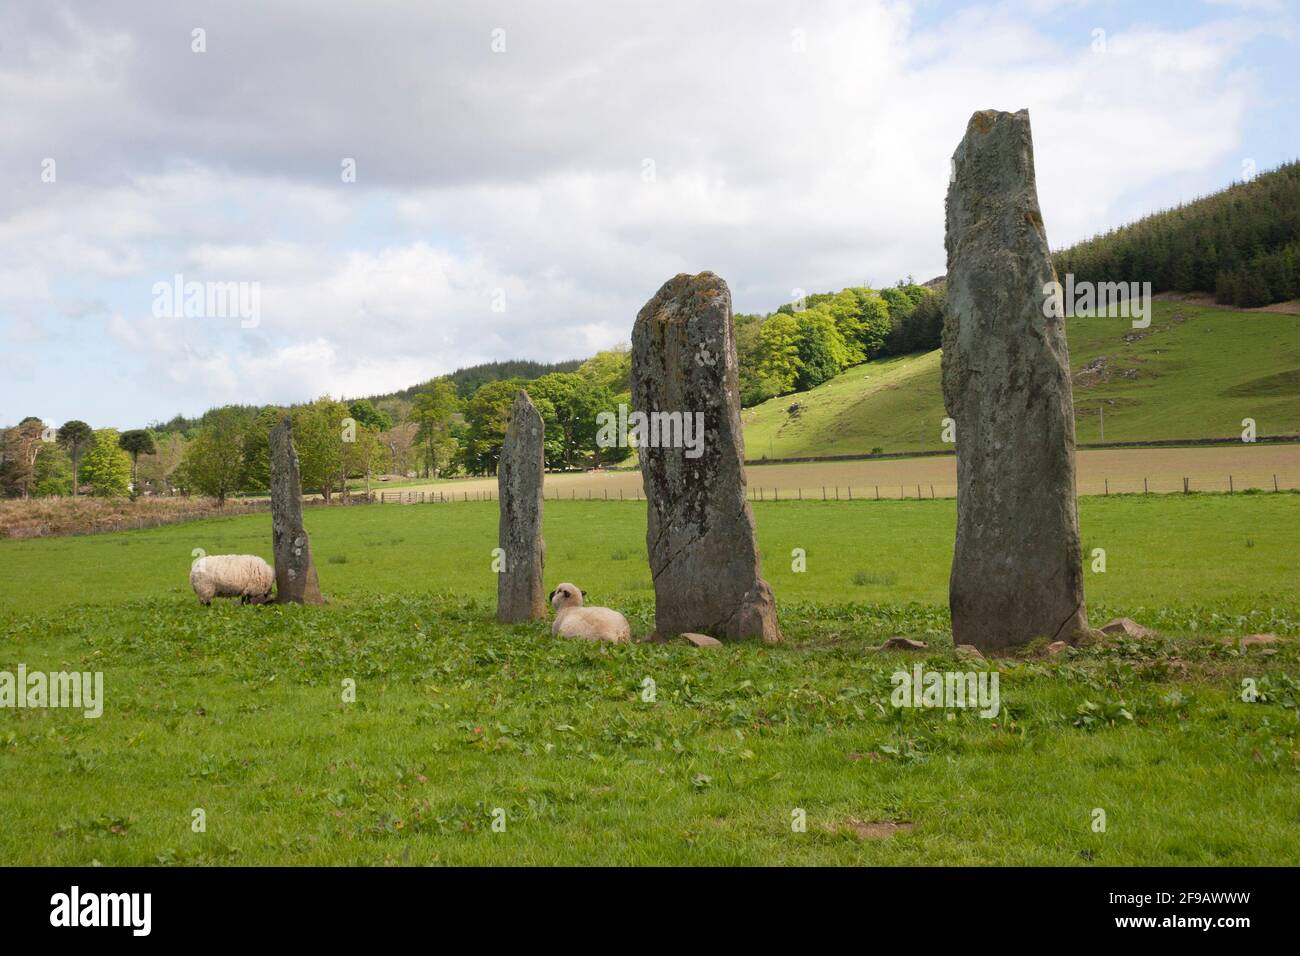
<point x="527" y="174"/>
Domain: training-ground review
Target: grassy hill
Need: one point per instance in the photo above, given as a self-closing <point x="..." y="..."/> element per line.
<point x="1195" y="373"/>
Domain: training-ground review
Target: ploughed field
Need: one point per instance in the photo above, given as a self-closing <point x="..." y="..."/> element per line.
<point x="458" y="722"/>
<point x="1237" y="467"/>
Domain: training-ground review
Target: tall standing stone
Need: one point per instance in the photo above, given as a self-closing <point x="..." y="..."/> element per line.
<point x="1017" y="570"/>
<point x="295" y="572"/>
<point x="521" y="594"/>
<point x="700" y="532"/>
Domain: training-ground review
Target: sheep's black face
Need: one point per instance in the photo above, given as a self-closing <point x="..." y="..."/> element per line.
<point x="566" y="595"/>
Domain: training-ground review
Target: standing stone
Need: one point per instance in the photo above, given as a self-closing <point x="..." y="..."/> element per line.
<point x="295" y="572"/>
<point x="1017" y="570"/>
<point x="521" y="595"/>
<point x="700" y="532"/>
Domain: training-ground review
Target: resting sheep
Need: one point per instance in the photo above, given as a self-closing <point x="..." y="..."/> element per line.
<point x="245" y="576"/>
<point x="586" y="623"/>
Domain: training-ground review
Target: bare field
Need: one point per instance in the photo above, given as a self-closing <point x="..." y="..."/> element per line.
<point x="1119" y="470"/>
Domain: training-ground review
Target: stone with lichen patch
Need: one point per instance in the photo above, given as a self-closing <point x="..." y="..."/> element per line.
<point x="295" y="571"/>
<point x="521" y="591"/>
<point x="1017" y="570"/>
<point x="699" y="530"/>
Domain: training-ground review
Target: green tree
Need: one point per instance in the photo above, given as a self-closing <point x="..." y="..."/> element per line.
<point x="486" y="415"/>
<point x="75" y="437"/>
<point x="256" y="450"/>
<point x="574" y="402"/>
<point x="872" y="321"/>
<point x="213" y="463"/>
<point x="106" y="466"/>
<point x="611" y="370"/>
<point x="365" y="414"/>
<point x="778" y="352"/>
<point x="135" y="443"/>
<point x="822" y="353"/>
<point x="52" y="474"/>
<point x="432" y="410"/>
<point x="318" y="432"/>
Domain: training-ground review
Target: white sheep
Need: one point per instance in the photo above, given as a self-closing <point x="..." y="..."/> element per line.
<point x="245" y="576"/>
<point x="586" y="623"/>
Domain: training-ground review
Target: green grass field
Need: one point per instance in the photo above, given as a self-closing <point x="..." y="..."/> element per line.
<point x="1195" y="373"/>
<point x="238" y="711"/>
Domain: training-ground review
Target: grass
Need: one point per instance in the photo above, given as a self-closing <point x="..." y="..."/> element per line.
<point x="240" y="711"/>
<point x="1195" y="373"/>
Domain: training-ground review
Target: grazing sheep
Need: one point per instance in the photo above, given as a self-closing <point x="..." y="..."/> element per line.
<point x="245" y="576"/>
<point x="586" y="623"/>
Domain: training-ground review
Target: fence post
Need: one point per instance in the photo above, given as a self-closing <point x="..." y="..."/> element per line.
<point x="1145" y="489"/>
<point x="877" y="492"/>
<point x="932" y="492"/>
<point x="1184" y="484"/>
<point x="823" y="492"/>
<point x="850" y="492"/>
<point x="1107" y="486"/>
<point x="1275" y="482"/>
<point x="1230" y="488"/>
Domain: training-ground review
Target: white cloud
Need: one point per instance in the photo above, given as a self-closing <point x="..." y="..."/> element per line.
<point x="523" y="171"/>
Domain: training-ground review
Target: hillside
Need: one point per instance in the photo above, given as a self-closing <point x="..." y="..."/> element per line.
<point x="1241" y="245"/>
<point x="1195" y="373"/>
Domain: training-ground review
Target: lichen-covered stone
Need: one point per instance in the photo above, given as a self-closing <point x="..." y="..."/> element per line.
<point x="700" y="532"/>
<point x="521" y="594"/>
<point x="1017" y="571"/>
<point x="295" y="572"/>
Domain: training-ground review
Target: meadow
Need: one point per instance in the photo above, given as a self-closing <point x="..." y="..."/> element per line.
<point x="650" y="753"/>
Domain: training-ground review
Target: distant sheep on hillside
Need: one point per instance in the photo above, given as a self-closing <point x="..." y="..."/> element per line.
<point x="586" y="623"/>
<point x="245" y="576"/>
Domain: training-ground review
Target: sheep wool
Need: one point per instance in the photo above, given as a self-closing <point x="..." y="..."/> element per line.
<point x="586" y="623"/>
<point x="245" y="576"/>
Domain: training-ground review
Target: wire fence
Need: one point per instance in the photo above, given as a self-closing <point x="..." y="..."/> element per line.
<point x="1164" y="484"/>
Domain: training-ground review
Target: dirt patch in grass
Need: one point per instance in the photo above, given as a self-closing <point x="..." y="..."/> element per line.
<point x="873" y="829"/>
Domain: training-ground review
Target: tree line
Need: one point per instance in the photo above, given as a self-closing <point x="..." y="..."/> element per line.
<point x="226" y="452"/>
<point x="1242" y="245"/>
<point x="453" y="424"/>
<point x="803" y="344"/>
